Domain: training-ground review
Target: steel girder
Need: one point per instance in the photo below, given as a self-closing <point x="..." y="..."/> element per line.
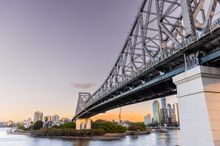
<point x="160" y="25"/>
<point x="81" y="104"/>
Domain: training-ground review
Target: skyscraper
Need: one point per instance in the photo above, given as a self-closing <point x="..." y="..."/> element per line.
<point x="163" y="103"/>
<point x="173" y="115"/>
<point x="38" y="116"/>
<point x="169" y="111"/>
<point x="156" y="112"/>
<point x="148" y="119"/>
<point x="164" y="119"/>
<point x="176" y="106"/>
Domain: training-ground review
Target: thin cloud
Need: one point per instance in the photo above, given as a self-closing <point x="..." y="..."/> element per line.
<point x="82" y="85"/>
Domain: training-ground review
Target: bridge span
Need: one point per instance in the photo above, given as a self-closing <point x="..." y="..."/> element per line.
<point x="173" y="47"/>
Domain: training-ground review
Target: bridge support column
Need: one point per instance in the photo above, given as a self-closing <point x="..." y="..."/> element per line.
<point x="83" y="123"/>
<point x="198" y="91"/>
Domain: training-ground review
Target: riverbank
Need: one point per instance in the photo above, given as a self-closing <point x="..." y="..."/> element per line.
<point x="171" y="139"/>
<point x="106" y="136"/>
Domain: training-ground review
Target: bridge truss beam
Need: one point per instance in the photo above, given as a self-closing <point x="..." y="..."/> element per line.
<point x="159" y="33"/>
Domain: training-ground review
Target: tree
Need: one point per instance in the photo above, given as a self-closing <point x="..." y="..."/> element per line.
<point x="109" y="127"/>
<point x="138" y="126"/>
<point x="38" y="125"/>
<point x="69" y="125"/>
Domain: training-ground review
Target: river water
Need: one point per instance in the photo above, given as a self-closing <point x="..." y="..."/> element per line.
<point x="154" y="139"/>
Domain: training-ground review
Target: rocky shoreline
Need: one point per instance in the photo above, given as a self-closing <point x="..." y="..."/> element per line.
<point x="107" y="136"/>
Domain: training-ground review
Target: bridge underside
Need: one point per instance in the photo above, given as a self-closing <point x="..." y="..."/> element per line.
<point x="164" y="88"/>
<point x="157" y="87"/>
<point x="153" y="84"/>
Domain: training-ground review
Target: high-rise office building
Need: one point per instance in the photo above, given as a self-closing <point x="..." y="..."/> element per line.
<point x="176" y="108"/>
<point x="173" y="115"/>
<point x="38" y="116"/>
<point x="156" y="112"/>
<point x="169" y="108"/>
<point x="169" y="111"/>
<point x="148" y="119"/>
<point x="164" y="117"/>
<point x="163" y="103"/>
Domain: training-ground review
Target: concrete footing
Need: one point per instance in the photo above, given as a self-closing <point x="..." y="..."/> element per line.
<point x="83" y="123"/>
<point x="198" y="91"/>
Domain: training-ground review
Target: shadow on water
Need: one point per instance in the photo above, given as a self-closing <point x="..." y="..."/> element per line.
<point x="81" y="143"/>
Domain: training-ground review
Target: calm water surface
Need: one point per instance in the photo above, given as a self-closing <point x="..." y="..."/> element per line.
<point x="154" y="139"/>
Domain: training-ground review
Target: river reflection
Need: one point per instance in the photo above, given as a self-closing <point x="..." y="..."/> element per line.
<point x="153" y="139"/>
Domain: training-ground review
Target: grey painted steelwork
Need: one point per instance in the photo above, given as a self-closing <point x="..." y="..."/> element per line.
<point x="163" y="32"/>
<point x="81" y="104"/>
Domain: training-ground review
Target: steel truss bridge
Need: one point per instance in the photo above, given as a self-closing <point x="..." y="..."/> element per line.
<point x="167" y="38"/>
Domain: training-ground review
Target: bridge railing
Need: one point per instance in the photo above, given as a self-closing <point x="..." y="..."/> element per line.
<point x="171" y="51"/>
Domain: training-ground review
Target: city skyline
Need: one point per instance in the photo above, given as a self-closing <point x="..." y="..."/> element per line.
<point x="48" y="56"/>
<point x="164" y="113"/>
<point x="136" y="115"/>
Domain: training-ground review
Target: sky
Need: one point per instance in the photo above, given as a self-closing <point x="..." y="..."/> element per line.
<point x="52" y="49"/>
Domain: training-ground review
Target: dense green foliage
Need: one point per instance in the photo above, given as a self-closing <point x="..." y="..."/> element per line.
<point x="138" y="126"/>
<point x="38" y="125"/>
<point x="68" y="125"/>
<point x="67" y="132"/>
<point x="109" y="127"/>
<point x="21" y="127"/>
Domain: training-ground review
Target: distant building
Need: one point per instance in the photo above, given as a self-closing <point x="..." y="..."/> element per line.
<point x="173" y="115"/>
<point x="169" y="111"/>
<point x="163" y="103"/>
<point x="38" y="116"/>
<point x="176" y="106"/>
<point x="27" y="123"/>
<point x="47" y="119"/>
<point x="2" y="124"/>
<point x="169" y="108"/>
<point x="10" y="123"/>
<point x="55" y="118"/>
<point x="148" y="120"/>
<point x="164" y="116"/>
<point x="124" y="123"/>
<point x="64" y="120"/>
<point x="156" y="112"/>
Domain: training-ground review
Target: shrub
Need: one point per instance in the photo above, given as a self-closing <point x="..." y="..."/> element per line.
<point x="67" y="132"/>
<point x="38" y="125"/>
<point x="21" y="127"/>
<point x="69" y="125"/>
<point x="109" y="127"/>
<point x="139" y="126"/>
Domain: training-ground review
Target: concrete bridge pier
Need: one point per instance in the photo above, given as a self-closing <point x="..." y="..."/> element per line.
<point x="83" y="123"/>
<point x="198" y="91"/>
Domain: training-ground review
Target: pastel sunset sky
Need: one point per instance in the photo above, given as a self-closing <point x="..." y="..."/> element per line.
<point x="52" y="49"/>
